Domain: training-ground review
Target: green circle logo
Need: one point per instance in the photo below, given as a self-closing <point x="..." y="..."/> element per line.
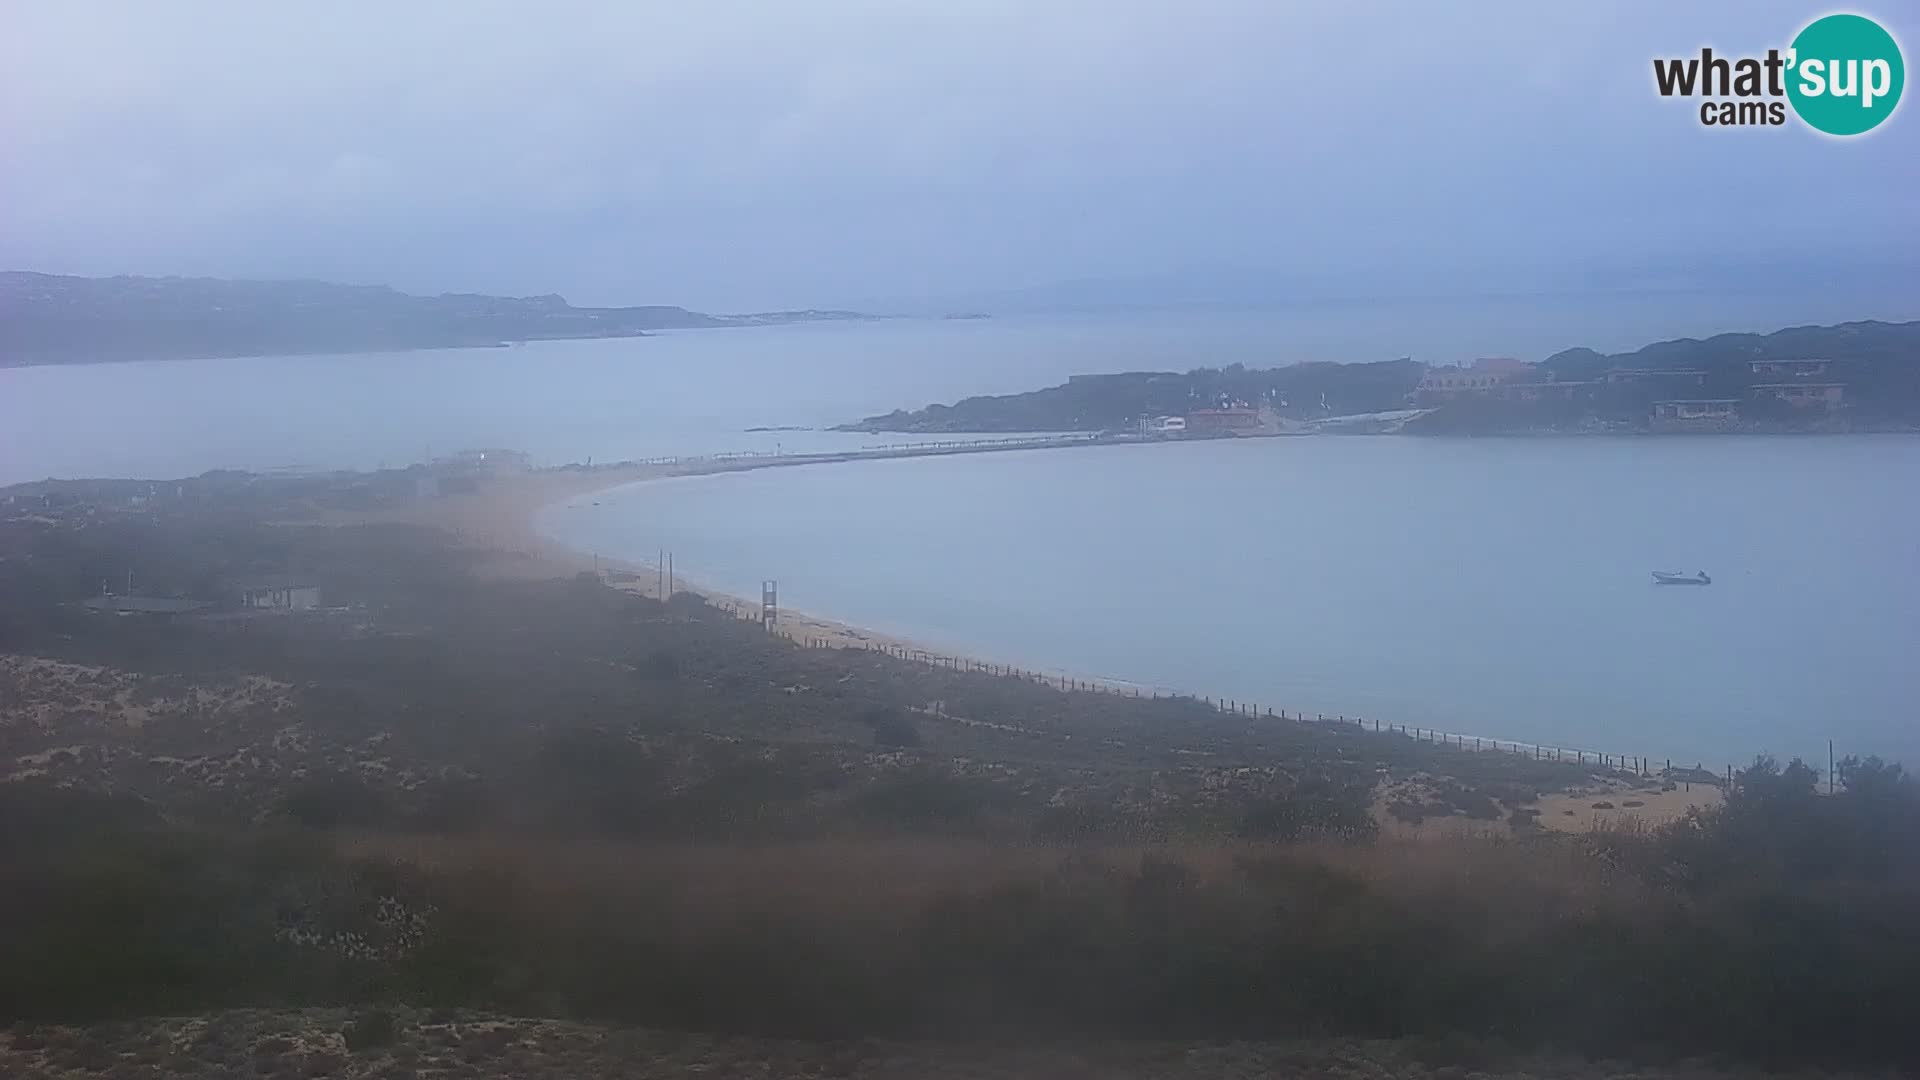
<point x="1845" y="74"/>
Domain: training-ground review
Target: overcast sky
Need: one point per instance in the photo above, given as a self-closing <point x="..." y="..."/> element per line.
<point x="732" y="155"/>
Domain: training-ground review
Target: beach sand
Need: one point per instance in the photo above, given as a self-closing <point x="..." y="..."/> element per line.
<point x="498" y="525"/>
<point x="1617" y="803"/>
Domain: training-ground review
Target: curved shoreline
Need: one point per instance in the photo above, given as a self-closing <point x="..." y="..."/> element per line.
<point x="823" y="631"/>
<point x="498" y="526"/>
<point x="642" y="578"/>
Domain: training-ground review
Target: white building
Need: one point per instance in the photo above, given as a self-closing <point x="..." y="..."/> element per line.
<point x="280" y="596"/>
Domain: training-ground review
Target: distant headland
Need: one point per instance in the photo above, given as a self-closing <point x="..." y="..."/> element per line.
<point x="56" y="319"/>
<point x="1858" y="376"/>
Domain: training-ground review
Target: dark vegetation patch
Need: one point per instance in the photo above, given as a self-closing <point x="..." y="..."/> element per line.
<point x="556" y="798"/>
<point x="1762" y="929"/>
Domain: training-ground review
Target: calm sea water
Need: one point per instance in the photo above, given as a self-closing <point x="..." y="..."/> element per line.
<point x="696" y="392"/>
<point x="1495" y="586"/>
<point x="1490" y="586"/>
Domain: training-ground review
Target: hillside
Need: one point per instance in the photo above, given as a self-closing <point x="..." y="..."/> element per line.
<point x="54" y="319"/>
<point x="472" y="781"/>
<point x="1878" y="365"/>
<point x="1114" y="402"/>
<point x="382" y="1043"/>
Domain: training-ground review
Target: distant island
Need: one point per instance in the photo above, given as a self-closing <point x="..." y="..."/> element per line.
<point x="1859" y="376"/>
<point x="55" y="319"/>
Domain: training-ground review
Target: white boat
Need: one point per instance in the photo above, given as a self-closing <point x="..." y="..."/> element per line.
<point x="1669" y="577"/>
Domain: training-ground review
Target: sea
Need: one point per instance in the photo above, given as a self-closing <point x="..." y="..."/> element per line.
<point x="1493" y="587"/>
<point x="1486" y="587"/>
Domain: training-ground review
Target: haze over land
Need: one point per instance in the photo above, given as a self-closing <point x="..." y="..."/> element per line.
<point x="54" y="319"/>
<point x="349" y="729"/>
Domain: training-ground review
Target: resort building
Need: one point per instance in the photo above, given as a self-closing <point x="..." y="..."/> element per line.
<point x="1230" y="419"/>
<point x="1485" y="374"/>
<point x="1695" y="414"/>
<point x="1656" y="376"/>
<point x="1790" y="369"/>
<point x="276" y="595"/>
<point x="1804" y="394"/>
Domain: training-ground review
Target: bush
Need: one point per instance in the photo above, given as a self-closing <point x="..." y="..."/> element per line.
<point x="336" y="801"/>
<point x="895" y="731"/>
<point x="372" y="1030"/>
<point x="660" y="665"/>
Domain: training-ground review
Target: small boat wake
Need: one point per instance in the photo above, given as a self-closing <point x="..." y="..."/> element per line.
<point x="1669" y="577"/>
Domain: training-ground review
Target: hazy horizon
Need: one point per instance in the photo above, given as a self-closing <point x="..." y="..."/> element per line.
<point x="893" y="156"/>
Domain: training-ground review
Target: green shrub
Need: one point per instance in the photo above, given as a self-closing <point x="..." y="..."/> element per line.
<point x="372" y="1029"/>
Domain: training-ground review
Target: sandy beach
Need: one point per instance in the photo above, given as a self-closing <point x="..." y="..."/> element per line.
<point x="498" y="525"/>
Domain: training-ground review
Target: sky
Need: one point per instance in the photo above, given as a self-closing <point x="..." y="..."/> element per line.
<point x="737" y="156"/>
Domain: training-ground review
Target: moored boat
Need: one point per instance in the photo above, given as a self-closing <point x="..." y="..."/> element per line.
<point x="1669" y="577"/>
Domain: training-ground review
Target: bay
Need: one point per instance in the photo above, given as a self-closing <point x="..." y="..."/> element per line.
<point x="696" y="392"/>
<point x="1495" y="587"/>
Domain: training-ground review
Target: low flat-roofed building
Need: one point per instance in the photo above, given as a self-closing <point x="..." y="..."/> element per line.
<point x="1805" y="394"/>
<point x="1232" y="418"/>
<point x="1692" y="414"/>
<point x="1656" y="376"/>
<point x="277" y="594"/>
<point x="1795" y="369"/>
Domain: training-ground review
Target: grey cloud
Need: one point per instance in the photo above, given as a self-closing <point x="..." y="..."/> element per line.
<point x="747" y="154"/>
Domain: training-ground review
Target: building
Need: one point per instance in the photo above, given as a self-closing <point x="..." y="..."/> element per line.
<point x="1164" y="425"/>
<point x="1483" y="376"/>
<point x="489" y="462"/>
<point x="1695" y="414"/>
<point x="1658" y="376"/>
<point x="1804" y="394"/>
<point x="1790" y="369"/>
<point x="1233" y="418"/>
<point x="279" y="595"/>
<point x="1544" y="391"/>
